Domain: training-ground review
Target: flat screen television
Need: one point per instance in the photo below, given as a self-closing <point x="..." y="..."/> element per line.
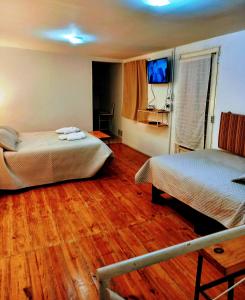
<point x="158" y="71"/>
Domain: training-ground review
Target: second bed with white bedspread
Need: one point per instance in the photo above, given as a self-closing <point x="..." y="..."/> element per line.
<point x="202" y="180"/>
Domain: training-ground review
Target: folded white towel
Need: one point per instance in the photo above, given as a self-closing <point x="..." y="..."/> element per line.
<point x="63" y="137"/>
<point x="67" y="130"/>
<point x="76" y="136"/>
<point x="73" y="136"/>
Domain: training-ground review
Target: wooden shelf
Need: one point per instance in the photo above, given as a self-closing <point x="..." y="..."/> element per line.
<point x="159" y="124"/>
<point x="158" y="111"/>
<point x="154" y="117"/>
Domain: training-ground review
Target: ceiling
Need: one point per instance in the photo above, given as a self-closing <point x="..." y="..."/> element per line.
<point x="122" y="28"/>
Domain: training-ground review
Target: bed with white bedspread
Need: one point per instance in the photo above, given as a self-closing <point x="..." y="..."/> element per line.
<point x="42" y="158"/>
<point x="202" y="180"/>
<point x="210" y="181"/>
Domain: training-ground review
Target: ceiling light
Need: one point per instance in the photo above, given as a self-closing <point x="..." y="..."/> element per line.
<point x="70" y="34"/>
<point x="157" y="2"/>
<point x="74" y="39"/>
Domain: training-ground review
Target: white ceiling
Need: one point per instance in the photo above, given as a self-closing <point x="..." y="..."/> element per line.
<point x="123" y="28"/>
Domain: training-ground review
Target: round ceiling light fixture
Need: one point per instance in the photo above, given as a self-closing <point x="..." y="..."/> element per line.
<point x="157" y="2"/>
<point x="70" y="34"/>
<point x="74" y="39"/>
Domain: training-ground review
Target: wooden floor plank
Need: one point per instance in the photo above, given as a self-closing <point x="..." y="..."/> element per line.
<point x="19" y="283"/>
<point x="42" y="228"/>
<point x="4" y="278"/>
<point x="42" y="277"/>
<point x="20" y="230"/>
<point x="37" y="287"/>
<point x="64" y="284"/>
<point x="6" y="235"/>
<point x="53" y="238"/>
<point x="79" y="271"/>
<point x="60" y="215"/>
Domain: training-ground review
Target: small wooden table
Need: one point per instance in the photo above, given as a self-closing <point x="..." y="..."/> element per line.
<point x="228" y="258"/>
<point x="100" y="135"/>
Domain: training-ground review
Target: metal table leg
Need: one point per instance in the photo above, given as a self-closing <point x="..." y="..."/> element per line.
<point x="230" y="294"/>
<point x="198" y="277"/>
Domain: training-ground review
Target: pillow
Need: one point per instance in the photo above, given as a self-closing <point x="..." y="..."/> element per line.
<point x="8" y="140"/>
<point x="11" y="130"/>
<point x="240" y="179"/>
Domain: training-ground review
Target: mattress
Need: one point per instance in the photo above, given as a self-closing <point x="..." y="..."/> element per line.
<point x="202" y="180"/>
<point x="42" y="158"/>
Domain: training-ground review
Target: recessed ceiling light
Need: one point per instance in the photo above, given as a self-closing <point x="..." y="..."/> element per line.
<point x="157" y="2"/>
<point x="71" y="34"/>
<point x="74" y="39"/>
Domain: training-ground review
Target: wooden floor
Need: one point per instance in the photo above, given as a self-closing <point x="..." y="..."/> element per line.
<point x="53" y="238"/>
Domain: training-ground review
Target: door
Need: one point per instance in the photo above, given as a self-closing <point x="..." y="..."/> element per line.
<point x="195" y="101"/>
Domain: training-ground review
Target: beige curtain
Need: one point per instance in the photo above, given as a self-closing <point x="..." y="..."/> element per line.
<point x="135" y="88"/>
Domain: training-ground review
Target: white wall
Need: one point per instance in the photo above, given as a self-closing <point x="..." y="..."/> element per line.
<point x="230" y="92"/>
<point x="44" y="91"/>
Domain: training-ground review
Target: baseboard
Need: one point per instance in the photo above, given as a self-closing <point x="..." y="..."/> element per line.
<point x="136" y="150"/>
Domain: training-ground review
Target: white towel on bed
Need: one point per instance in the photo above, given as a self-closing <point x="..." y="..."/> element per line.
<point x="63" y="137"/>
<point x="73" y="136"/>
<point x="76" y="136"/>
<point x="67" y="130"/>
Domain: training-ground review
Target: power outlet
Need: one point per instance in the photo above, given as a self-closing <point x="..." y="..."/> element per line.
<point x="120" y="132"/>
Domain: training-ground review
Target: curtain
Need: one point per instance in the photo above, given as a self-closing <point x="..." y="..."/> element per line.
<point x="191" y="101"/>
<point x="134" y="88"/>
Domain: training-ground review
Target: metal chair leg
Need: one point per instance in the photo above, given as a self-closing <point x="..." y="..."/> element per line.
<point x="230" y="294"/>
<point x="198" y="277"/>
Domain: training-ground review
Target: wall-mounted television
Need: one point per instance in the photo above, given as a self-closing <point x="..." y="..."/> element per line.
<point x="158" y="71"/>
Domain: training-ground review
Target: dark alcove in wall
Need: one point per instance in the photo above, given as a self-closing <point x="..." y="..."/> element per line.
<point x="105" y="94"/>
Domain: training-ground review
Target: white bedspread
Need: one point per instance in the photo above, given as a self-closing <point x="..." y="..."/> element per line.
<point x="201" y="179"/>
<point x="42" y="158"/>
